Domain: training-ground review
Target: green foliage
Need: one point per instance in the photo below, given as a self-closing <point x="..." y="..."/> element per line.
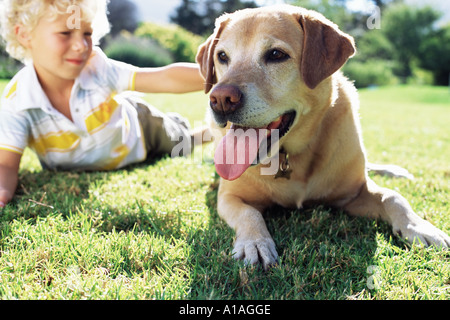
<point x="435" y="55"/>
<point x="421" y="77"/>
<point x="137" y="51"/>
<point x="373" y="63"/>
<point x="335" y="11"/>
<point x="8" y="66"/>
<point x="181" y="43"/>
<point x="371" y="72"/>
<point x="373" y="44"/>
<point x="408" y="48"/>
<point x="199" y="16"/>
<point x="406" y="27"/>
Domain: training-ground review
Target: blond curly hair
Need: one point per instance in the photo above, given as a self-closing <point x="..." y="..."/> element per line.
<point x="28" y="13"/>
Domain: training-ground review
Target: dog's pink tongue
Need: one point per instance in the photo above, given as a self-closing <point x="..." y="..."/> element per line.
<point x="236" y="153"/>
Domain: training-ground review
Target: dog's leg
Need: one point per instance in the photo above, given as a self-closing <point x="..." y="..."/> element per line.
<point x="376" y="202"/>
<point x="253" y="242"/>
<point x="390" y="170"/>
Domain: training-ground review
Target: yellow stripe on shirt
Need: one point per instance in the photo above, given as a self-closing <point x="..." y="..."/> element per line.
<point x="10" y="148"/>
<point x="12" y="90"/>
<point x="55" y="142"/>
<point x="119" y="154"/>
<point x="101" y="115"/>
<point x="133" y="81"/>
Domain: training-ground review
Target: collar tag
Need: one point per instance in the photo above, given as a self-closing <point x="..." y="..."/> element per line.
<point x="285" y="169"/>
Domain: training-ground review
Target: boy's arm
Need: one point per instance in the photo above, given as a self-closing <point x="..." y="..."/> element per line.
<point x="174" y="78"/>
<point x="9" y="168"/>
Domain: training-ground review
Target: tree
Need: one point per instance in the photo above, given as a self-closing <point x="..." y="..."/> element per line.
<point x="199" y="16"/>
<point x="186" y="15"/>
<point x="122" y="16"/>
<point x="435" y="55"/>
<point x="406" y="28"/>
<point x="384" y="3"/>
<point x="335" y="11"/>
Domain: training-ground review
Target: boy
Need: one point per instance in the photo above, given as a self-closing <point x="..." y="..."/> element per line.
<point x="67" y="102"/>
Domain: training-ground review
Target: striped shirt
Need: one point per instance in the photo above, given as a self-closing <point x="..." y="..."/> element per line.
<point x="105" y="133"/>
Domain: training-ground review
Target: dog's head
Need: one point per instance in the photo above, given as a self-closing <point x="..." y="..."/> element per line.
<point x="263" y="67"/>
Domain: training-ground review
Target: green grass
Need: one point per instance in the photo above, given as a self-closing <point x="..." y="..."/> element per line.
<point x="151" y="231"/>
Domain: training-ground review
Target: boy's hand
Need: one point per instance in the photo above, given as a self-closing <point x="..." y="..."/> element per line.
<point x="9" y="168"/>
<point x="5" y="197"/>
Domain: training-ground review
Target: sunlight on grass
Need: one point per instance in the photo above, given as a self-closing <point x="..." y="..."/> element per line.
<point x="151" y="230"/>
<point x="190" y="105"/>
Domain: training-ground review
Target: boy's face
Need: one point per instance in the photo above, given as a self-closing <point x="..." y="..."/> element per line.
<point x="59" y="52"/>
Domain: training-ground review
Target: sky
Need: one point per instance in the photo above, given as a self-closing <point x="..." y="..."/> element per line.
<point x="159" y="11"/>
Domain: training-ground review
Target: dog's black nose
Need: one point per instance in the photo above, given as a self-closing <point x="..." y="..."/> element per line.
<point x="226" y="99"/>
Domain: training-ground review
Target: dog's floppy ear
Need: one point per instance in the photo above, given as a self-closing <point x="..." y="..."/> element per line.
<point x="325" y="48"/>
<point x="205" y="54"/>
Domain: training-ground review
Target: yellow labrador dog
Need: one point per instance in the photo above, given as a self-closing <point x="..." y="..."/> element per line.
<point x="273" y="71"/>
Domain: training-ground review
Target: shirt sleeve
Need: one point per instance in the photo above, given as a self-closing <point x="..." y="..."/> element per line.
<point x="13" y="132"/>
<point x="117" y="75"/>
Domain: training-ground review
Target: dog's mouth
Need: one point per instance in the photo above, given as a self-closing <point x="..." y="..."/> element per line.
<point x="243" y="147"/>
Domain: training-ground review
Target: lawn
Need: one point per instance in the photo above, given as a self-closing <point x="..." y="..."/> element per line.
<point x="151" y="231"/>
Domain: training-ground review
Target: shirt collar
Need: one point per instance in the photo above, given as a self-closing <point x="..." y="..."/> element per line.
<point x="30" y="94"/>
<point x="87" y="78"/>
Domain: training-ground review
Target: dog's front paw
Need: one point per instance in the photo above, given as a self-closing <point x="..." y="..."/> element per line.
<point x="419" y="230"/>
<point x="260" y="251"/>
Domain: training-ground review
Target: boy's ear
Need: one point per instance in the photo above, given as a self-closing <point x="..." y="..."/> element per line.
<point x="23" y="35"/>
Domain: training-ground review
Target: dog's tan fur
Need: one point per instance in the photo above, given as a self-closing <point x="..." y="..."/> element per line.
<point x="324" y="144"/>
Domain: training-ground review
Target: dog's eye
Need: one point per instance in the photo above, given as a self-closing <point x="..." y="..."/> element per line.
<point x="223" y="58"/>
<point x="276" y="55"/>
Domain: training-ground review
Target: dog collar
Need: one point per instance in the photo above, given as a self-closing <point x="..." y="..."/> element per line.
<point x="284" y="169"/>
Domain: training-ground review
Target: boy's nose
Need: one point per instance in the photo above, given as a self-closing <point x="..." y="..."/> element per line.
<point x="80" y="45"/>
